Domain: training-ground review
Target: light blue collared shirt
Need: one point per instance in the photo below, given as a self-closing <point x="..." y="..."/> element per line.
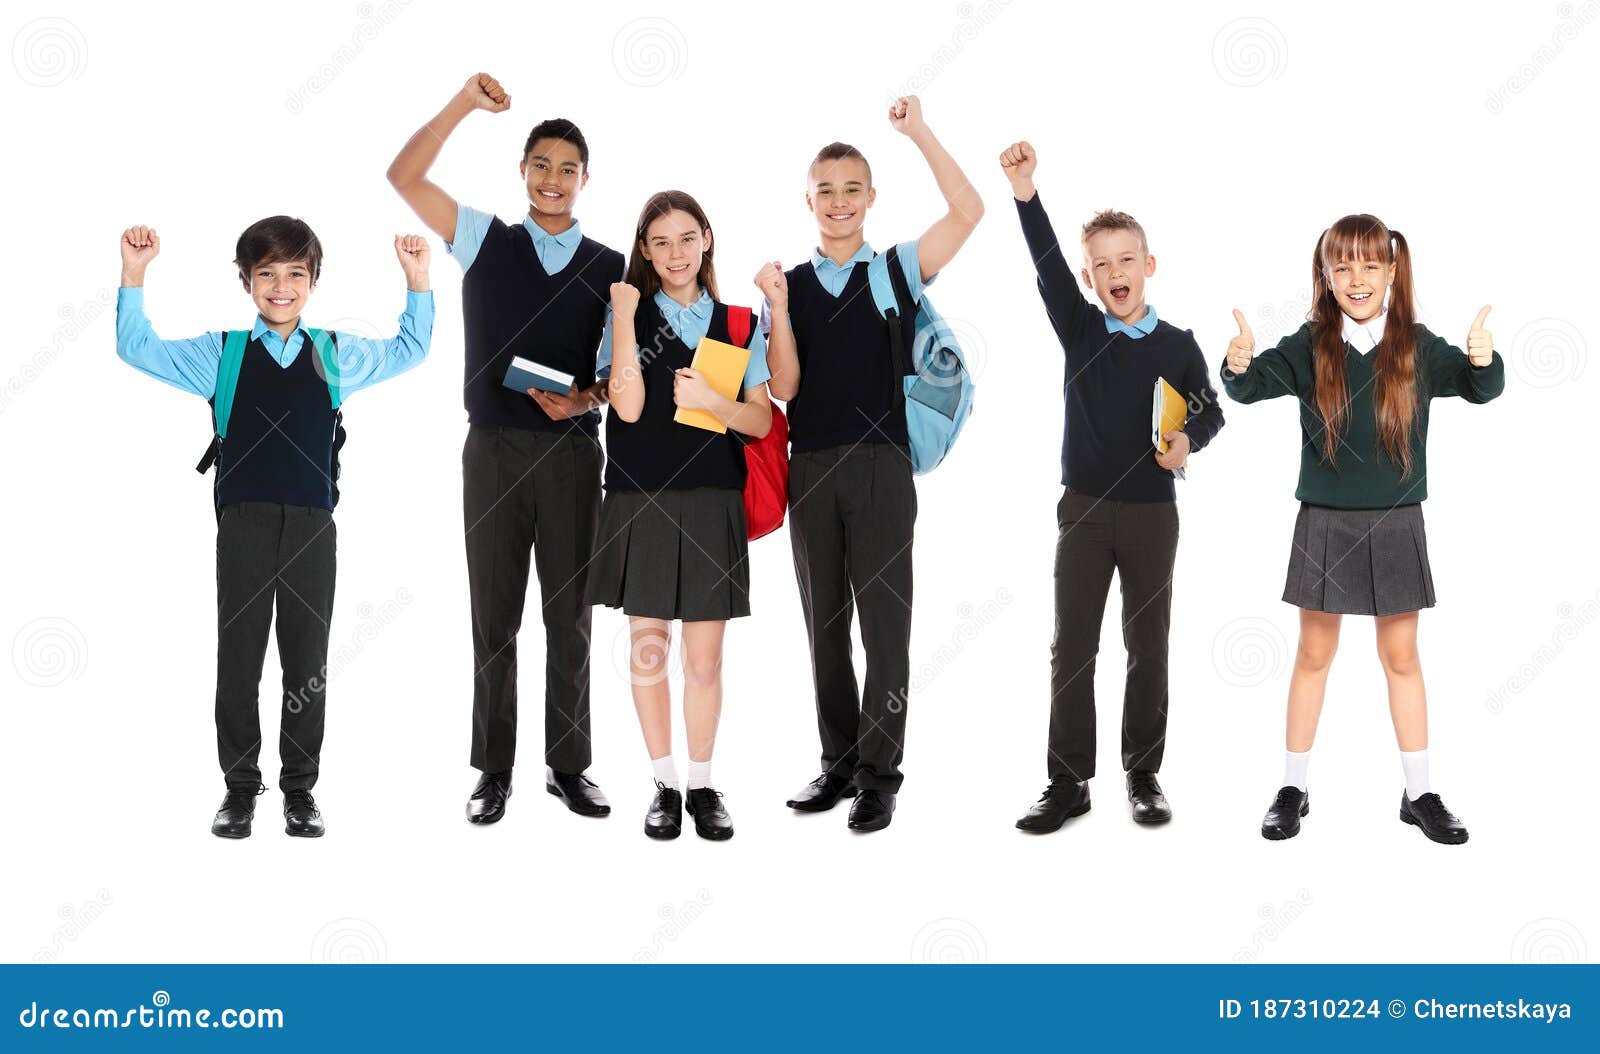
<point x="191" y="363"/>
<point x="555" y="251"/>
<point x="833" y="277"/>
<point x="1139" y="330"/>
<point x="690" y="325"/>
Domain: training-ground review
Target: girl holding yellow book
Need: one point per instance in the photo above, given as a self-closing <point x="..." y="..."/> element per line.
<point x="672" y="540"/>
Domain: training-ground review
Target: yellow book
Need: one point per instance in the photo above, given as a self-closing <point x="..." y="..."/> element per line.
<point x="1169" y="412"/>
<point x="723" y="366"/>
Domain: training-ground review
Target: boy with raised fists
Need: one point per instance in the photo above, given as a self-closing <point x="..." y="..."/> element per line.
<point x="276" y="392"/>
<point x="1118" y="512"/>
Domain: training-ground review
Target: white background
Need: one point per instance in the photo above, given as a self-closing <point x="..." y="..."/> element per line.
<point x="1235" y="133"/>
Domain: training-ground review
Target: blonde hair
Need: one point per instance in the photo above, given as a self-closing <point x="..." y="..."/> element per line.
<point x="1112" y="220"/>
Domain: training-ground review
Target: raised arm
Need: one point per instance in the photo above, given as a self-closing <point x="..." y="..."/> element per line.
<point x="783" y="361"/>
<point x="1247" y="378"/>
<point x="1476" y="375"/>
<point x="364" y="361"/>
<point x="1070" y="312"/>
<point x="625" y="385"/>
<point x="940" y="242"/>
<point x="408" y="172"/>
<point x="189" y="364"/>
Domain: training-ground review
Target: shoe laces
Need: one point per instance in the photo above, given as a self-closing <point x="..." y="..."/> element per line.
<point x="1287" y="796"/>
<point x="705" y="798"/>
<point x="1143" y="783"/>
<point x="664" y="794"/>
<point x="242" y="797"/>
<point x="299" y="799"/>
<point x="1433" y="805"/>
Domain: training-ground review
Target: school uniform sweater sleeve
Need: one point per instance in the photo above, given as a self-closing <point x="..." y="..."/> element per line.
<point x="364" y="361"/>
<point x="189" y="364"/>
<point x="1450" y="372"/>
<point x="1203" y="426"/>
<point x="1070" y="313"/>
<point x="1283" y="370"/>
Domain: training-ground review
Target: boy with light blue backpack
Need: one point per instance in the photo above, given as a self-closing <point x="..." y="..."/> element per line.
<point x="877" y="392"/>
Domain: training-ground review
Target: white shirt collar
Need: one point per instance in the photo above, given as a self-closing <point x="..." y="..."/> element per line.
<point x="1364" y="336"/>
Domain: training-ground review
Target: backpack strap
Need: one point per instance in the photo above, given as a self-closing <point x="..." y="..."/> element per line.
<point x="234" y="342"/>
<point x="739" y="325"/>
<point x="901" y="318"/>
<point x="328" y="361"/>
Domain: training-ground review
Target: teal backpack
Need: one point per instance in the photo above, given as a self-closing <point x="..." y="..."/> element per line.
<point x="234" y="343"/>
<point x="937" y="386"/>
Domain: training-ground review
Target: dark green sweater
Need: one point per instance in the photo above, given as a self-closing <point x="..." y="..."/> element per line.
<point x="1365" y="478"/>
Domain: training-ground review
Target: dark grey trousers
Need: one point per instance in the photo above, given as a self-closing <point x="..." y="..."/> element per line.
<point x="283" y="555"/>
<point x="852" y="513"/>
<point x="531" y="501"/>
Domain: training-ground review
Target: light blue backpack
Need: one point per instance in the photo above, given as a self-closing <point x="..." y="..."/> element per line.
<point x="938" y="387"/>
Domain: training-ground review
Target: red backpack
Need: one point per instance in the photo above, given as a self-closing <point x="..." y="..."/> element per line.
<point x="766" y="460"/>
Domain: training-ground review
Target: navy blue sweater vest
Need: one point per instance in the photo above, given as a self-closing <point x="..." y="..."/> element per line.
<point x="656" y="452"/>
<point x="280" y="442"/>
<point x="847" y="372"/>
<point x="511" y="307"/>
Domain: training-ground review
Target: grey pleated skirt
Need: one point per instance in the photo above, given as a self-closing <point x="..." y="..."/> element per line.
<point x="1359" y="561"/>
<point x="672" y="554"/>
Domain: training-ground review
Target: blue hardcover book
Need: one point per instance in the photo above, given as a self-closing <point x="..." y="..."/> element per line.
<point x="523" y="374"/>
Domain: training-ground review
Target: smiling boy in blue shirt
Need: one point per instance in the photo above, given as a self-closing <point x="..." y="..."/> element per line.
<point x="276" y="393"/>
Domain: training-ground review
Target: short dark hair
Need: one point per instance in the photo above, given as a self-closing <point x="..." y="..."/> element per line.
<point x="838" y="152"/>
<point x="277" y="239"/>
<point x="558" y="128"/>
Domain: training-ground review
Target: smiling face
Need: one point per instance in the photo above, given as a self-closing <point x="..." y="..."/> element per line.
<point x="839" y="196"/>
<point x="555" y="174"/>
<point x="675" y="244"/>
<point x="1115" y="267"/>
<point x="280" y="290"/>
<point x="1359" y="286"/>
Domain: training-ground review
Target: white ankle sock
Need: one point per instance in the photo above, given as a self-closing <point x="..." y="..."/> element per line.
<point x="666" y="771"/>
<point x="699" y="774"/>
<point x="1294" y="768"/>
<point x="1415" y="764"/>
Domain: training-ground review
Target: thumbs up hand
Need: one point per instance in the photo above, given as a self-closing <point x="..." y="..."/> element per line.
<point x="1241" y="349"/>
<point x="1480" y="342"/>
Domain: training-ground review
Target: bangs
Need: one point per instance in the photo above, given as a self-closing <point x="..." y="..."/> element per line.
<point x="1361" y="237"/>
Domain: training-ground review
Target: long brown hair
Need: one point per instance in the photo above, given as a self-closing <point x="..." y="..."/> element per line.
<point x="641" y="274"/>
<point x="1364" y="237"/>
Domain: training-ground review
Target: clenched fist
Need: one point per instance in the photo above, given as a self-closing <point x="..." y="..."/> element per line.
<point x="773" y="283"/>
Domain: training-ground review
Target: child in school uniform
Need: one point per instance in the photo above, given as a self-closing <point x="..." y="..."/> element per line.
<point x="1364" y="371"/>
<point x="852" y="502"/>
<point x="1119" y="509"/>
<point x="535" y="290"/>
<point x="672" y="537"/>
<point x="276" y="391"/>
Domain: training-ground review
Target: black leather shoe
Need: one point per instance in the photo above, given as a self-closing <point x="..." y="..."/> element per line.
<point x="710" y="817"/>
<point x="1144" y="795"/>
<point x="1060" y="802"/>
<point x="488" y="801"/>
<point x="1283" y="819"/>
<point x="822" y="793"/>
<point x="1437" y="822"/>
<point x="301" y="817"/>
<point x="665" y="818"/>
<point x="238" y="809"/>
<point x="578" y="792"/>
<point x="871" y="811"/>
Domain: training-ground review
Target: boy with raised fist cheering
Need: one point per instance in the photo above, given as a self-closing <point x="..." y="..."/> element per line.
<point x="537" y="291"/>
<point x="276" y="391"/>
<point x="1119" y="510"/>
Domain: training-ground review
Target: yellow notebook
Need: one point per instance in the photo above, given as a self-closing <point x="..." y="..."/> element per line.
<point x="723" y="366"/>
<point x="1170" y="411"/>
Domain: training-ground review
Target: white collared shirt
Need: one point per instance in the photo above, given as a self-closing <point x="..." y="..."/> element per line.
<point x="1364" y="336"/>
